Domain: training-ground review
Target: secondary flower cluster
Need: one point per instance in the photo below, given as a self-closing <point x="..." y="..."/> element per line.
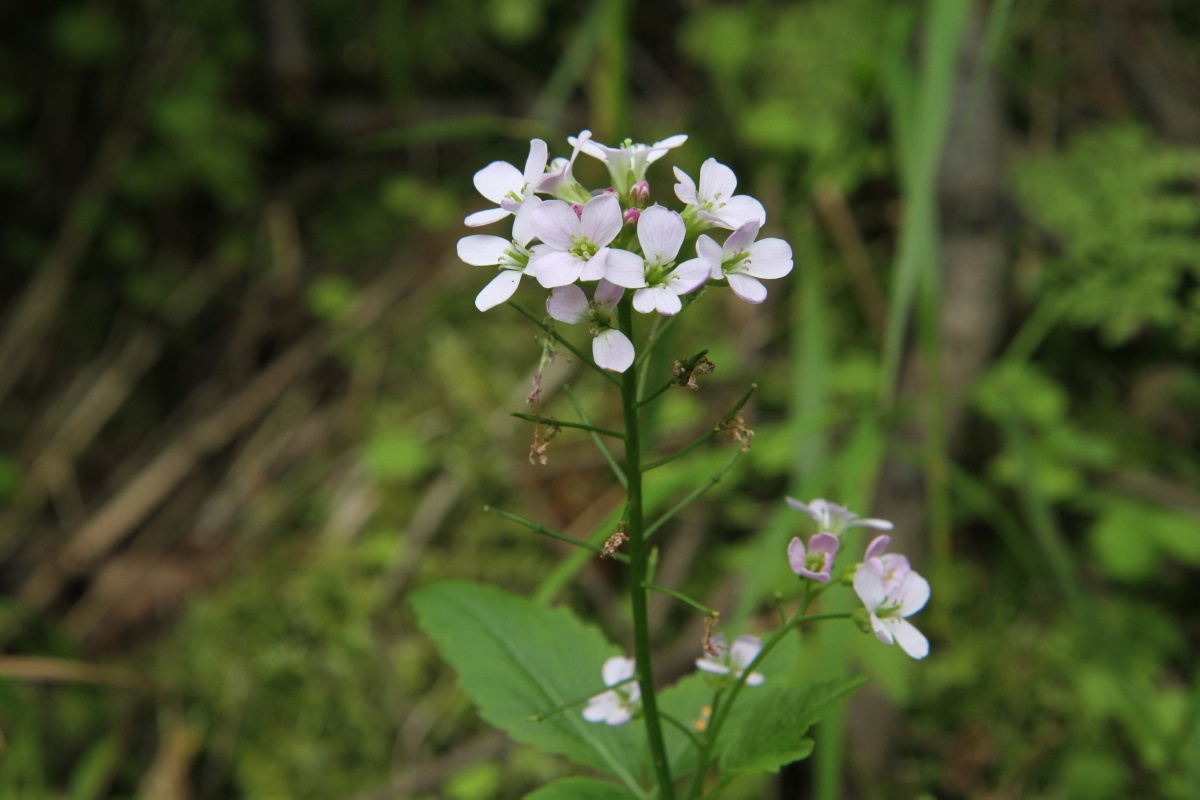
<point x="613" y="238"/>
<point x="622" y="701"/>
<point x="890" y="589"/>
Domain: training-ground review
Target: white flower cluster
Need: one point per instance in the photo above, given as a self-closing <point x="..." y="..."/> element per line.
<point x="611" y="238"/>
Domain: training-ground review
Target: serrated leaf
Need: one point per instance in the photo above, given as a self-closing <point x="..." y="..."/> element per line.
<point x="516" y="658"/>
<point x="580" y="789"/>
<point x="767" y="730"/>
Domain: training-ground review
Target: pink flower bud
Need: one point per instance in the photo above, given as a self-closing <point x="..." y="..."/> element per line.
<point x="610" y="190"/>
<point x="631" y="216"/>
<point x="639" y="194"/>
<point x="578" y="210"/>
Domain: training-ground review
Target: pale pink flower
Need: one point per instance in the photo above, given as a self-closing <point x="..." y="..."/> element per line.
<point x="575" y="246"/>
<point x="816" y="561"/>
<point x="507" y="186"/>
<point x="627" y="164"/>
<point x="743" y="261"/>
<point x="834" y="518"/>
<point x="889" y="608"/>
<point x="611" y="349"/>
<point x="890" y="567"/>
<point x="734" y="660"/>
<point x="618" y="705"/>
<point x="510" y="256"/>
<point x="714" y="201"/>
<point x="658" y="281"/>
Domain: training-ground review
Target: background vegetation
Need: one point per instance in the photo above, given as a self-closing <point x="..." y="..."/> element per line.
<point x="247" y="405"/>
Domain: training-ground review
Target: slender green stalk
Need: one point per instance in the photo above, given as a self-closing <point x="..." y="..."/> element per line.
<point x="544" y="531"/>
<point x="685" y="730"/>
<point x="558" y="423"/>
<point x="635" y="529"/>
<point x="716" y="428"/>
<point x="545" y="715"/>
<point x="683" y="598"/>
<point x="692" y="495"/>
<point x="604" y="451"/>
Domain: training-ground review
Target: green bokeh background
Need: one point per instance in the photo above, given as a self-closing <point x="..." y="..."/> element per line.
<point x="247" y="405"/>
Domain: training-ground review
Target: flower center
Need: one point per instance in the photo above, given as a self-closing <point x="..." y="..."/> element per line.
<point x="738" y="263"/>
<point x="515" y="258"/>
<point x="656" y="274"/>
<point x="583" y="248"/>
<point x="815" y="562"/>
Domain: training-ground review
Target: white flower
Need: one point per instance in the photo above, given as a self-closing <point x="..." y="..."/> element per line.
<point x="888" y="609"/>
<point x="890" y="567"/>
<point x="734" y="659"/>
<point x="512" y="257"/>
<point x="658" y="281"/>
<point x="575" y="245"/>
<point x="627" y="164"/>
<point x="559" y="180"/>
<point x="616" y="706"/>
<point x="743" y="261"/>
<point x="508" y="187"/>
<point x="715" y="201"/>
<point x="611" y="349"/>
<point x="836" y="519"/>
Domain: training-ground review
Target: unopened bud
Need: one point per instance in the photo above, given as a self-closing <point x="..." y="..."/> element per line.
<point x="639" y="194"/>
<point x="862" y="618"/>
<point x="631" y="217"/>
<point x="610" y="190"/>
<point x="578" y="209"/>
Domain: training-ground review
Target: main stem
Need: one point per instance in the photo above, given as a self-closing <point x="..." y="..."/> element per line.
<point x="636" y="530"/>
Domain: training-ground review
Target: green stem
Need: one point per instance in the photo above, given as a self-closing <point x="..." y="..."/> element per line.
<point x="685" y="730"/>
<point x="557" y="423"/>
<point x="713" y="431"/>
<point x="695" y="493"/>
<point x="544" y="531"/>
<point x="635" y="529"/>
<point x="604" y="451"/>
<point x="683" y="598"/>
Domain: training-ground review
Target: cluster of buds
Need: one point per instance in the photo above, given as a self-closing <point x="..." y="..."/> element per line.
<point x="612" y="239"/>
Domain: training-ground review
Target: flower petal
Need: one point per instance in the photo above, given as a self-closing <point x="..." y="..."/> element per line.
<point x="715" y="667"/>
<point x="555" y="268"/>
<point x="797" y="555"/>
<point x="485" y="217"/>
<point x="501" y="287"/>
<point x="523" y="232"/>
<point x="612" y="350"/>
<point x="913" y="594"/>
<point x="608" y="294"/>
<point x="869" y="588"/>
<point x="824" y="543"/>
<point x="617" y="669"/>
<point x="602" y="706"/>
<point x="659" y="149"/>
<point x="568" y="304"/>
<point x="624" y="268"/>
<point x="601" y="220"/>
<point x="688" y="276"/>
<point x="877" y="524"/>
<point x="736" y="212"/>
<point x="708" y="249"/>
<point x="685" y="190"/>
<point x="661" y="233"/>
<point x="911" y="640"/>
<point x="483" y="251"/>
<point x="595" y="267"/>
<point x="755" y="679"/>
<point x="497" y="179"/>
<point x="747" y="288"/>
<point x="535" y="164"/>
<point x="744" y="650"/>
<point x="770" y="258"/>
<point x="877" y="547"/>
<point x="741" y="239"/>
<point x="717" y="181"/>
<point x="883" y="629"/>
<point x="555" y="223"/>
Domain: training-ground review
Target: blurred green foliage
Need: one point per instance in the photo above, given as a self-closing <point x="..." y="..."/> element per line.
<point x="252" y="205"/>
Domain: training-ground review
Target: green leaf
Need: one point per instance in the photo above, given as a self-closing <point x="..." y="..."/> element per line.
<point x="767" y="730"/>
<point x="685" y="702"/>
<point x="580" y="789"/>
<point x="517" y="658"/>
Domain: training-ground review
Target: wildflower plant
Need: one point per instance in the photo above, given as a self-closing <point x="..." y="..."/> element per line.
<point x="541" y="674"/>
